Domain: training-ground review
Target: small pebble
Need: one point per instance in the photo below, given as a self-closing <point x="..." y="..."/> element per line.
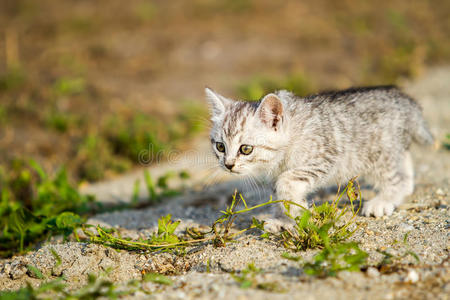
<point x="440" y="192"/>
<point x="7" y="269"/>
<point x="18" y="271"/>
<point x="369" y="232"/>
<point x="373" y="272"/>
<point x="344" y="275"/>
<point x="412" y="276"/>
<point x="405" y="227"/>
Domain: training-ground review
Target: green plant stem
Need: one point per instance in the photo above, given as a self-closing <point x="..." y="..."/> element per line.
<point x="106" y="237"/>
<point x="219" y="236"/>
<point x="150" y="186"/>
<point x="263" y="204"/>
<point x="21" y="242"/>
<point x="124" y="242"/>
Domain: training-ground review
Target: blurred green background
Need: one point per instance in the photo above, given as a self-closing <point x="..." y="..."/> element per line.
<point x="89" y="84"/>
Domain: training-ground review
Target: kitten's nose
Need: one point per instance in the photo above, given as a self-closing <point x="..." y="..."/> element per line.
<point x="229" y="166"/>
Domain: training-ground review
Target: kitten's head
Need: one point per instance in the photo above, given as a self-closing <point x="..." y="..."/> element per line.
<point x="247" y="137"/>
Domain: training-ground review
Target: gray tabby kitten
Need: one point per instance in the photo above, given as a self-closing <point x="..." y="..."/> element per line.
<point x="305" y="143"/>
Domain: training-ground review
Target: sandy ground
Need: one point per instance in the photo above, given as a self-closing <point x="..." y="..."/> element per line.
<point x="204" y="272"/>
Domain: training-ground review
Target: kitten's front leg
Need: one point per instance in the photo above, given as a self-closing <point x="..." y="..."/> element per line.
<point x="292" y="185"/>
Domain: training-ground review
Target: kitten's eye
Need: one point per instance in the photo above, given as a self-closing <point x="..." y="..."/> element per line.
<point x="246" y="149"/>
<point x="220" y="147"/>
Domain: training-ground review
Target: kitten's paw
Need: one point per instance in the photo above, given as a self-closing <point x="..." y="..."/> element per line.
<point x="278" y="225"/>
<point x="378" y="207"/>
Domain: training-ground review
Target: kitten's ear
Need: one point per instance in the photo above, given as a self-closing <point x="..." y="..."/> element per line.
<point x="218" y="103"/>
<point x="270" y="111"/>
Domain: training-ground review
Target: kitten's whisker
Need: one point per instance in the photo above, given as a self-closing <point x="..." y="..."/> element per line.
<point x="211" y="173"/>
<point x="248" y="184"/>
<point x="210" y="179"/>
<point x="252" y="183"/>
<point x="257" y="186"/>
<point x="203" y="120"/>
<point x="214" y="178"/>
<point x="209" y="161"/>
<point x="200" y="120"/>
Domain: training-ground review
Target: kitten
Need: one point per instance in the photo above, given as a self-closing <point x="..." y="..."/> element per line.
<point x="304" y="143"/>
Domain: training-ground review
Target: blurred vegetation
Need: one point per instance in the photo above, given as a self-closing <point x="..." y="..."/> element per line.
<point x="34" y="206"/>
<point x="97" y="287"/>
<point x="248" y="278"/>
<point x="91" y="147"/>
<point x="257" y="87"/>
<point x="446" y="143"/>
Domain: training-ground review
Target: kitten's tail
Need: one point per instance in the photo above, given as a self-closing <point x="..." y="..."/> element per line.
<point x="420" y="133"/>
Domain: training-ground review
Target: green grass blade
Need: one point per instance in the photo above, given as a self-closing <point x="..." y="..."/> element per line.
<point x="150" y="186"/>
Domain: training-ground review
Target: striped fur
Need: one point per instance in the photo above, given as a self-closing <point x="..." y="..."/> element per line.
<point x="304" y="143"/>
